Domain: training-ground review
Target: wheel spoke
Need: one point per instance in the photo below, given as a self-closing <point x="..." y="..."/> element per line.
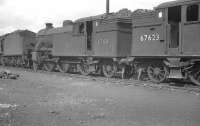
<point x="157" y="78"/>
<point x="162" y="73"/>
<point x="160" y="76"/>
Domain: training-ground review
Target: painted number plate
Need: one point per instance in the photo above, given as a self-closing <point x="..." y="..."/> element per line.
<point x="150" y="37"/>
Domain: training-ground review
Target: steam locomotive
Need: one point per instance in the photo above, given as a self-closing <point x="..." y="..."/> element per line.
<point x="16" y="48"/>
<point x="160" y="43"/>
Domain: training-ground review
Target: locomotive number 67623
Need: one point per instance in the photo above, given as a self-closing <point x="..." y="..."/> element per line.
<point x="150" y="37"/>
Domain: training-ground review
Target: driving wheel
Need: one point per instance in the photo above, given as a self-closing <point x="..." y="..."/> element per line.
<point x="158" y="73"/>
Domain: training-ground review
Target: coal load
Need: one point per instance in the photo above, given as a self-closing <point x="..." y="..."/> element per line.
<point x="123" y="13"/>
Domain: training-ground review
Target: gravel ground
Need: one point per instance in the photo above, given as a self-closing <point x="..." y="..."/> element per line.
<point x="49" y="99"/>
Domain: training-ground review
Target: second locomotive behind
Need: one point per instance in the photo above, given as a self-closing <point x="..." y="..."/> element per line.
<point x="89" y="45"/>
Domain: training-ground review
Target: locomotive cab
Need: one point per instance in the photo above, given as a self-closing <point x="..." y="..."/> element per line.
<point x="190" y="29"/>
<point x="183" y="38"/>
<point x="172" y="29"/>
<point x="168" y="36"/>
<point x="182" y="27"/>
<point x="85" y="29"/>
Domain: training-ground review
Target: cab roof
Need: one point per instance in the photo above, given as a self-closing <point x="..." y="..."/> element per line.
<point x="176" y="3"/>
<point x="17" y="32"/>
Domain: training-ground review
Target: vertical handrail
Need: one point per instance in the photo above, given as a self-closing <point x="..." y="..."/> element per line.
<point x="180" y="38"/>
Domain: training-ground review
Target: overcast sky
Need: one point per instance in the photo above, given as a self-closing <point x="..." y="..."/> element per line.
<point x="32" y="14"/>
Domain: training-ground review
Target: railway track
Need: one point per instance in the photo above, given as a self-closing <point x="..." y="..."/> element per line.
<point x="171" y="85"/>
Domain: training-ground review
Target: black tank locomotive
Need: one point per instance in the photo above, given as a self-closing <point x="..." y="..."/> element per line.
<point x="88" y="45"/>
<point x="160" y="43"/>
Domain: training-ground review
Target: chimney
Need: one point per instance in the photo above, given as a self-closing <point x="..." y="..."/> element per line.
<point x="49" y="25"/>
<point x="107" y="7"/>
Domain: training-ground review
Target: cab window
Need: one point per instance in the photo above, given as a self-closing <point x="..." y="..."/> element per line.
<point x="193" y="13"/>
<point x="1" y="45"/>
<point x="79" y="28"/>
<point x="160" y="14"/>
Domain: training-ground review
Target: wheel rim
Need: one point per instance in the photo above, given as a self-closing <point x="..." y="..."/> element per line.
<point x="109" y="70"/>
<point x="195" y="77"/>
<point x="63" y="67"/>
<point x="84" y="69"/>
<point x="48" y="66"/>
<point x="157" y="74"/>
